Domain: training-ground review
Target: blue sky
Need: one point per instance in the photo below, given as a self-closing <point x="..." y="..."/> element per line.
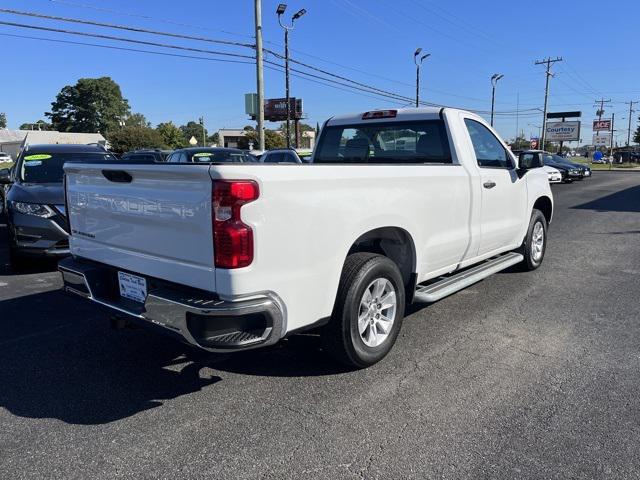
<point x="368" y="41"/>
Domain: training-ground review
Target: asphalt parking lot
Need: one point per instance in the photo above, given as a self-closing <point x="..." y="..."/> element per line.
<point x="522" y="375"/>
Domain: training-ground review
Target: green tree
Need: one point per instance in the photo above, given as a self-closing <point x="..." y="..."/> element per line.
<point x="133" y="138"/>
<point x="193" y="129"/>
<point x="171" y="135"/>
<point x="137" y="120"/>
<point x="38" y="125"/>
<point x="272" y="140"/>
<point x="3" y="120"/>
<point x="636" y="135"/>
<point x="91" y="105"/>
<point x="215" y="138"/>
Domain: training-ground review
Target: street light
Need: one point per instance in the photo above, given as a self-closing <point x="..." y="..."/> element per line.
<point x="494" y="80"/>
<point x="418" y="62"/>
<point x="280" y="11"/>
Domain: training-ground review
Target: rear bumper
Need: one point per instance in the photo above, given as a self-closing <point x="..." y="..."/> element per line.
<point x="199" y="318"/>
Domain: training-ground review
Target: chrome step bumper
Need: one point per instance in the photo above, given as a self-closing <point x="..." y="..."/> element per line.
<point x="200" y="318"/>
<point x="447" y="285"/>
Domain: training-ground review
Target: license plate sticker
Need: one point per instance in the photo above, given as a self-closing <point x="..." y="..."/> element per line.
<point x="132" y="287"/>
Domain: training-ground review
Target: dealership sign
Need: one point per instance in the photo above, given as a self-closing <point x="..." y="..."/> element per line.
<point x="275" y="109"/>
<point x="562" y="131"/>
<point x="602" y="139"/>
<point x="602" y="125"/>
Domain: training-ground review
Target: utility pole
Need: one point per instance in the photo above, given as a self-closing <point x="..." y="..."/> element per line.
<point x="631" y="111"/>
<point x="548" y="62"/>
<point x="517" y="112"/>
<point x="259" y="72"/>
<point x="204" y="134"/>
<point x="494" y="80"/>
<point x="613" y="116"/>
<point x="602" y="101"/>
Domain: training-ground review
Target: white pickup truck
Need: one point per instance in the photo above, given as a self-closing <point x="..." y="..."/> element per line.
<point x="397" y="206"/>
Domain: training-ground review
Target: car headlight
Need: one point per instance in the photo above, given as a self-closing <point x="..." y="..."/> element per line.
<point x="32" y="209"/>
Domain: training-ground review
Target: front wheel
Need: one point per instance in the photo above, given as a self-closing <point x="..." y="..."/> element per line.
<point x="368" y="312"/>
<point x="535" y="243"/>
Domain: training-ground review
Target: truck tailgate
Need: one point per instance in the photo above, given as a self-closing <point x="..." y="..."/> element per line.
<point x="151" y="219"/>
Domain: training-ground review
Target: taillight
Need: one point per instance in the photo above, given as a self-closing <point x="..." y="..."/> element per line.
<point x="232" y="239"/>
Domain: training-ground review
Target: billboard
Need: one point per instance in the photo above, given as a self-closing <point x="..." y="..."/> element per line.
<point x="602" y="125"/>
<point x="562" y="131"/>
<point x="602" y="139"/>
<point x="275" y="109"/>
<point x="564" y="114"/>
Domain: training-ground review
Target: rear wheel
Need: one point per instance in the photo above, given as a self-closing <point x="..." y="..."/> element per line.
<point x="535" y="243"/>
<point x="368" y="312"/>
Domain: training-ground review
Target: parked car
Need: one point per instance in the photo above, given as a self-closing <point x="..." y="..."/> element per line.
<point x="146" y="156"/>
<point x="584" y="169"/>
<point x="35" y="205"/>
<point x="553" y="174"/>
<point x="280" y="155"/>
<point x="231" y="256"/>
<point x="569" y="173"/>
<point x="5" y="158"/>
<point x="210" y="155"/>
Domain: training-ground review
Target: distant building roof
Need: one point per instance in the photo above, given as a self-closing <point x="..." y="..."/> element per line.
<point x="33" y="137"/>
<point x="12" y="136"/>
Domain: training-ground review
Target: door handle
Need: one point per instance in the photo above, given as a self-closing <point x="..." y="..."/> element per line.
<point x="489" y="184"/>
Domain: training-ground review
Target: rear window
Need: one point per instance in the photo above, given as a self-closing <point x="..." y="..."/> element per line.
<point x="415" y="142"/>
<point x="47" y="167"/>
<point x="224" y="157"/>
<point x="139" y="157"/>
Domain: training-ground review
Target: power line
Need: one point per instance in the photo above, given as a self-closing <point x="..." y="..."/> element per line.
<point x="123" y="27"/>
<point x="147" y="17"/>
<point x="353" y="85"/>
<point x="122" y="39"/>
<point x="548" y="62"/>
<point x="136" y="50"/>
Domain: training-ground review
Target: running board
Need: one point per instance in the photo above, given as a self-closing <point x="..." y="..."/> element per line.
<point x="451" y="284"/>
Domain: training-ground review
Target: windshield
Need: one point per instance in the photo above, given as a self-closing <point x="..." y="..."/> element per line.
<point x="47" y="167"/>
<point x="393" y="142"/>
<point x="221" y="156"/>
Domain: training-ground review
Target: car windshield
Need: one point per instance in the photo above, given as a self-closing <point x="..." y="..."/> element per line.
<point x="380" y="142"/>
<point x="223" y="156"/>
<point x="47" y="167"/>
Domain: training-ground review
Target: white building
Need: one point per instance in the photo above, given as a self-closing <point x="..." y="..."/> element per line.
<point x="12" y="141"/>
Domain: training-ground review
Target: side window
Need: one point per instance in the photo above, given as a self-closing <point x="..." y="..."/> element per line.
<point x="488" y="149"/>
<point x="273" y="157"/>
<point x="290" y="157"/>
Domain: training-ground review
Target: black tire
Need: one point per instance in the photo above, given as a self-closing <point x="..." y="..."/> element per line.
<point x="531" y="260"/>
<point x="341" y="338"/>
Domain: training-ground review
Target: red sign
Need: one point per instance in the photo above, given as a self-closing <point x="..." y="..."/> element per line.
<point x="275" y="109"/>
<point x="601" y="125"/>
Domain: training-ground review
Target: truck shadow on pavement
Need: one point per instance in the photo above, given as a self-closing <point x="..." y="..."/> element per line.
<point x="65" y="362"/>
<point x="627" y="200"/>
<point x="60" y="359"/>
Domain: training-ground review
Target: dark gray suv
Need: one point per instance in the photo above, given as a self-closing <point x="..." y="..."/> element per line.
<point x="34" y="199"/>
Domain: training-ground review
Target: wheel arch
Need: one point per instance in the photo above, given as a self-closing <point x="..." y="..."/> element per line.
<point x="394" y="243"/>
<point x="545" y="205"/>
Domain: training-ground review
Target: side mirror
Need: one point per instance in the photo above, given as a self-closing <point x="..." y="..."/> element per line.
<point x="526" y="162"/>
<point x="5" y="176"/>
